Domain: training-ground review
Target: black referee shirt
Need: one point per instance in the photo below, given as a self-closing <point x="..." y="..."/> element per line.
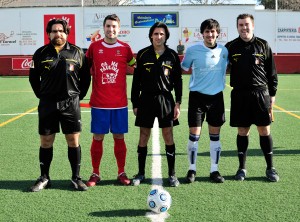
<point x="56" y="75"/>
<point x="156" y="75"/>
<point x="252" y="65"/>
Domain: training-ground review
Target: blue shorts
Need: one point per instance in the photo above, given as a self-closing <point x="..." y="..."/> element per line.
<point x="109" y="120"/>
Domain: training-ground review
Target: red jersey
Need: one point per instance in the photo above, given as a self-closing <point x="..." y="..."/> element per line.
<point x="108" y="65"/>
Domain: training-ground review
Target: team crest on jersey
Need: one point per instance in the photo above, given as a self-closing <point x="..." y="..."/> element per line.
<point x="109" y="72"/>
<point x="118" y="53"/>
<point x="109" y="78"/>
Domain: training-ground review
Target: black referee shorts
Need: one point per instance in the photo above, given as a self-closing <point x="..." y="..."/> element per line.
<point x="65" y="113"/>
<point x="250" y="107"/>
<point x="160" y="106"/>
<point x="211" y="106"/>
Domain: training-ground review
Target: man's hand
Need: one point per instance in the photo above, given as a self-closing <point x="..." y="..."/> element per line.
<point x="176" y="111"/>
<point x="135" y="111"/>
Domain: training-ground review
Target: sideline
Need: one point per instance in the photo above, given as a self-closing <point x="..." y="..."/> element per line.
<point x="285" y="111"/>
<point x="17" y="117"/>
<point x="31" y="112"/>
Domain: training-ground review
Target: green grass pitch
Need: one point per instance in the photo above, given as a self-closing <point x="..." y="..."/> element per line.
<point x="254" y="199"/>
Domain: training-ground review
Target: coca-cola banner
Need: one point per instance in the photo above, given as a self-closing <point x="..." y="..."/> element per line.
<point x="23" y="63"/>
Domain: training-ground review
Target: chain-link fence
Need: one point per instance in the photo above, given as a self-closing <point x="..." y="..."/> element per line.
<point x="293" y="5"/>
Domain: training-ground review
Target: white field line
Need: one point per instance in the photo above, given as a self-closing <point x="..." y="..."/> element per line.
<point x="130" y="110"/>
<point x="156" y="172"/>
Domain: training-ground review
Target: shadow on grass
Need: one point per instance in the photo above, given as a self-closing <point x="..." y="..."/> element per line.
<point x="250" y="152"/>
<point x="119" y="213"/>
<point x="24" y="185"/>
<point x="204" y="179"/>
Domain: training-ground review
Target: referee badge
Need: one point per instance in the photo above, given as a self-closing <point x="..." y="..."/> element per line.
<point x="166" y="67"/>
<point x="166" y="71"/>
<point x="71" y="67"/>
<point x="257" y="62"/>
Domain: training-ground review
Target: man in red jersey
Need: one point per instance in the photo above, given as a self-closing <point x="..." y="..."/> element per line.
<point x="108" y="59"/>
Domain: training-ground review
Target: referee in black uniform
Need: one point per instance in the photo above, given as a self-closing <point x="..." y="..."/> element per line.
<point x="60" y="78"/>
<point x="253" y="78"/>
<point x="158" y="72"/>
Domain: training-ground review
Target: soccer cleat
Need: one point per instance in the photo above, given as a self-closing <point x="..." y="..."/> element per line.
<point x="123" y="179"/>
<point x="94" y="180"/>
<point x="138" y="179"/>
<point x="216" y="177"/>
<point x="191" y="175"/>
<point x="240" y="174"/>
<point x="272" y="175"/>
<point x="41" y="183"/>
<point x="78" y="184"/>
<point x="173" y="181"/>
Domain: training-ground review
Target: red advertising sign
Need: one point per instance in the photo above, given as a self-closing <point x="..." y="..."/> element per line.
<point x="70" y="18"/>
<point x="23" y="63"/>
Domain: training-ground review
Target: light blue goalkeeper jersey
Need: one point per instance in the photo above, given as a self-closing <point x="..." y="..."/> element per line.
<point x="208" y="68"/>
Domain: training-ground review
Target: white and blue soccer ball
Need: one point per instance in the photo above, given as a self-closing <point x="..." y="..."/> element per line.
<point x="159" y="200"/>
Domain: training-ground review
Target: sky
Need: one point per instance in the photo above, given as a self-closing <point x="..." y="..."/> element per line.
<point x="178" y="1"/>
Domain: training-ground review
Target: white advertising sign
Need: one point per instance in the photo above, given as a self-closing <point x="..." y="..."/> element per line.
<point x="24" y="28"/>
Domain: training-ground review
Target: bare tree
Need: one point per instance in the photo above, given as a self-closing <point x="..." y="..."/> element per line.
<point x="203" y="2"/>
<point x="282" y="4"/>
<point x="116" y="2"/>
<point x="6" y="2"/>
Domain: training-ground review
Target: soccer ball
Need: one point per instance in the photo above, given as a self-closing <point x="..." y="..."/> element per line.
<point x="159" y="200"/>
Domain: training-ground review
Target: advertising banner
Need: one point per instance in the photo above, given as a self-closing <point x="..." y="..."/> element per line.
<point x="193" y="34"/>
<point x="143" y="19"/>
<point x="22" y="63"/>
<point x="69" y="18"/>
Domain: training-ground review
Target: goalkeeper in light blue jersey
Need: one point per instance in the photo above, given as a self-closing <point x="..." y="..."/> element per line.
<point x="208" y="61"/>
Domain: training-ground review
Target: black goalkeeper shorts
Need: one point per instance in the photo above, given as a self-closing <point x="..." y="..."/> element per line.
<point x="203" y="106"/>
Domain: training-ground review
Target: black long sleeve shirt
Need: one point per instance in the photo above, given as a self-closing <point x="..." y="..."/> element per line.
<point x="56" y="75"/>
<point x="154" y="75"/>
<point x="252" y="65"/>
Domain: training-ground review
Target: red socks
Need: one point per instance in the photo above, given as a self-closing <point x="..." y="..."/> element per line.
<point x="96" y="155"/>
<point x="119" y="151"/>
<point x="120" y="154"/>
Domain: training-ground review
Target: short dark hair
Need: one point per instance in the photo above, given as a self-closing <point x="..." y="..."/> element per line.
<point x="243" y="16"/>
<point x="159" y="25"/>
<point x="113" y="17"/>
<point x="64" y="23"/>
<point x="210" y="24"/>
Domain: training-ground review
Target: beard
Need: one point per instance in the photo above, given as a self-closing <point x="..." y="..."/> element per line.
<point x="58" y="41"/>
